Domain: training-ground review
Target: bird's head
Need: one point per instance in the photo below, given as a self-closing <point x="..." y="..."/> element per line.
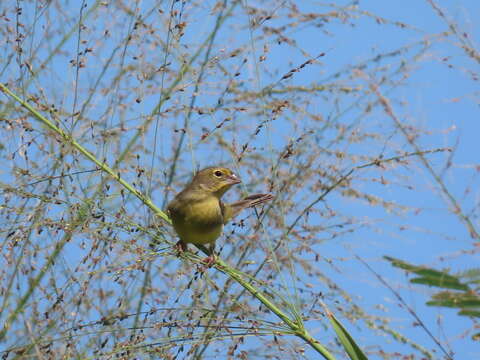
<point x="216" y="180"/>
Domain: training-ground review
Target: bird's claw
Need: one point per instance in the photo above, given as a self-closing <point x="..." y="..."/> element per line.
<point x="209" y="261"/>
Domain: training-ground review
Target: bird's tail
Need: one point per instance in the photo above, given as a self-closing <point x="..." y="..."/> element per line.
<point x="232" y="210"/>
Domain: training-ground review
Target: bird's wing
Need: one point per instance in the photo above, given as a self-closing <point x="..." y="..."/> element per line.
<point x="229" y="211"/>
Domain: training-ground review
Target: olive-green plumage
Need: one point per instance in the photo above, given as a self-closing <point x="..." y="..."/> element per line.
<point x="198" y="214"/>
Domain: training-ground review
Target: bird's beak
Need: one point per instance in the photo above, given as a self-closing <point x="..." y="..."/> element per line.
<point x="233" y="179"/>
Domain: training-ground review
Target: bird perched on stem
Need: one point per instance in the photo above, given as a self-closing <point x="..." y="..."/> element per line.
<point x="198" y="214"/>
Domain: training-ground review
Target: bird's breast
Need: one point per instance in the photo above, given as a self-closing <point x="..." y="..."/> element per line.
<point x="198" y="222"/>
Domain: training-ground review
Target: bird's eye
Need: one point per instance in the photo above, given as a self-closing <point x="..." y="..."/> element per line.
<point x="218" y="173"/>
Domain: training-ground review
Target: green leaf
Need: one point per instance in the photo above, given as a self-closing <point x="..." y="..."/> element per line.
<point x="353" y="350"/>
<point x="455" y="300"/>
<point x="442" y="283"/>
<point x="472" y="313"/>
<point x="428" y="276"/>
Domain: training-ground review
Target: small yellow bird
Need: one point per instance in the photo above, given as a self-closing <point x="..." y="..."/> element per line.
<point x="198" y="214"/>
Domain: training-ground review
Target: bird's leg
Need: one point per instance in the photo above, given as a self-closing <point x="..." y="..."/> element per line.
<point x="210" y="260"/>
<point x="181" y="247"/>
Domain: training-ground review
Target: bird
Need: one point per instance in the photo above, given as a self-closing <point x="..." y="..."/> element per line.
<point x="198" y="214"/>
